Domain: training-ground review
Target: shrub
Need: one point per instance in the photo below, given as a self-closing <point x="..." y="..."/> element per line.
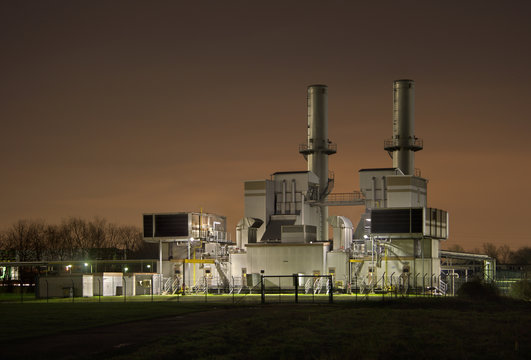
<point x="521" y="290"/>
<point x="478" y="290"/>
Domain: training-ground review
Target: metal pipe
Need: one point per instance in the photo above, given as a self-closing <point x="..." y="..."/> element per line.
<point x="283" y="205"/>
<point x="373" y="192"/>
<point x="384" y="191"/>
<point x="302" y="208"/>
<point x="160" y="257"/>
<point x="292" y="205"/>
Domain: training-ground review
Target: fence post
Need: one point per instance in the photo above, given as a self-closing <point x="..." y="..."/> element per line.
<point x="330" y="290"/>
<point x="21" y="291"/>
<point x="262" y="289"/>
<point x="233" y="289"/>
<point x="408" y="284"/>
<point x="383" y="286"/>
<point x="391" y="282"/>
<point x="46" y="290"/>
<point x="356" y="287"/>
<point x="313" y="291"/>
<point x="296" y="282"/>
<point x="73" y="289"/>
<point x="124" y="288"/>
<point x="152" y="278"/>
<point x="424" y="284"/>
<point x="279" y="290"/>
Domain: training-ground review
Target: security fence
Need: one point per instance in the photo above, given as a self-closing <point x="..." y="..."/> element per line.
<point x="258" y="288"/>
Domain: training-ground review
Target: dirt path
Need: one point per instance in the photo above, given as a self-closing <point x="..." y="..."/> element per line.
<point x="105" y="339"/>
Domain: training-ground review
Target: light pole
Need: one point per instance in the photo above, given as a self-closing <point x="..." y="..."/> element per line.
<point x="86" y="266"/>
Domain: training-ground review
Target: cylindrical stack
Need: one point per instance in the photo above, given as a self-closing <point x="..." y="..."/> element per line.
<point x="318" y="132"/>
<point x="404" y="143"/>
<point x="318" y="147"/>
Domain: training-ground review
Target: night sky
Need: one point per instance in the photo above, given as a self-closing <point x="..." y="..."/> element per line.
<point x="116" y="108"/>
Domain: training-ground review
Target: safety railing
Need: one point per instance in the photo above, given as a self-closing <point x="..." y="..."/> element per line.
<point x="340" y="197"/>
<point x="411" y="143"/>
<point x="329" y="148"/>
<point x="268" y="288"/>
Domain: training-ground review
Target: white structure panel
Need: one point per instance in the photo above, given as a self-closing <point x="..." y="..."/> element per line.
<point x="285" y="259"/>
<point x="338" y="263"/>
<point x="60" y="286"/>
<point x="259" y="202"/>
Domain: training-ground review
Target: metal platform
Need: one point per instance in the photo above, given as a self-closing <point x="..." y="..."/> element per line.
<point x="354" y="198"/>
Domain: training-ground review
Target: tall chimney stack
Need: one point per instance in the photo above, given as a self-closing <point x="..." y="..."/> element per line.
<point x="403" y="145"/>
<point x="318" y="148"/>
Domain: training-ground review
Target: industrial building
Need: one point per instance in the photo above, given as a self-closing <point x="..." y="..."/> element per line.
<point x="285" y="228"/>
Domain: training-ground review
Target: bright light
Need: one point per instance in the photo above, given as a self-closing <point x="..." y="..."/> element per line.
<point x="149" y="266"/>
<point x="365" y="237"/>
<point x="86" y="264"/>
<point x="125" y="269"/>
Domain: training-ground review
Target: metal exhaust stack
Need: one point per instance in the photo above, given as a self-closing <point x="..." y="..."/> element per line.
<point x="318" y="148"/>
<point x="403" y="145"/>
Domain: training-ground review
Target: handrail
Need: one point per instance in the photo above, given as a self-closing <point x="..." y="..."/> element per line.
<point x="414" y="143"/>
<point x="330" y="147"/>
<point x="351" y="196"/>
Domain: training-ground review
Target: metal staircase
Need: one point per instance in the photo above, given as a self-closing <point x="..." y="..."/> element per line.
<point x="314" y="285"/>
<point x="443" y="287"/>
<point x="201" y="286"/>
<point x="222" y="274"/>
<point x="171" y="285"/>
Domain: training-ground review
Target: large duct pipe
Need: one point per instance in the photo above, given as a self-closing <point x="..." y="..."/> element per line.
<point x="404" y="143"/>
<point x="292" y="206"/>
<point x="283" y="205"/>
<point x="318" y="147"/>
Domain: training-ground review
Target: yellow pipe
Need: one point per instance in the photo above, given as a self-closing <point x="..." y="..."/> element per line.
<point x="199" y="261"/>
<point x="200" y="218"/>
<point x="386" y="268"/>
<point x="194" y="261"/>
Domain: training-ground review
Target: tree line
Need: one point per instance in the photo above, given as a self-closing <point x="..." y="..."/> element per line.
<point x="503" y="253"/>
<point x="73" y="239"/>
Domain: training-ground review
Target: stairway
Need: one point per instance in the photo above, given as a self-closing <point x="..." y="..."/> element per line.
<point x="222" y="274"/>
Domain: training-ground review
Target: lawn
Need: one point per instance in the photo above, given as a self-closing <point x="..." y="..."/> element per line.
<point x="436" y="328"/>
<point x="40" y="318"/>
<point x="425" y="329"/>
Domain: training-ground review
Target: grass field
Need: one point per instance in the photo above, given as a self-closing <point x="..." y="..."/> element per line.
<point x="446" y="328"/>
<point x="441" y="329"/>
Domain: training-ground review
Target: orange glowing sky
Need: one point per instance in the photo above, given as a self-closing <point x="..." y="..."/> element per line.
<point x="115" y="108"/>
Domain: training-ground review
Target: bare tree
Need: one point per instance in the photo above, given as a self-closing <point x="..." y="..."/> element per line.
<point x="112" y="236"/>
<point x="491" y="250"/>
<point x="521" y="256"/>
<point x="504" y="254"/>
<point x="74" y="238"/>
<point x="130" y="238"/>
<point x="37" y="239"/>
<point x="77" y="234"/>
<point x="457" y="248"/>
<point x="17" y="238"/>
<point x="96" y="233"/>
<point x="57" y="242"/>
